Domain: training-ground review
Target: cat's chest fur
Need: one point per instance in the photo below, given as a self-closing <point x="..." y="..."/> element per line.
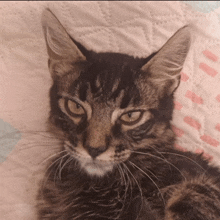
<point x="117" y="159"/>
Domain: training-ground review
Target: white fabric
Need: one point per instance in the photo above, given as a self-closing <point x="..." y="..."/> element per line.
<point x="135" y="28"/>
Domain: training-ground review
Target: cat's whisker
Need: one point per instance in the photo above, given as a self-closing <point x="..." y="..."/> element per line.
<point x="35" y="131"/>
<point x="68" y="161"/>
<point x="42" y="140"/>
<point x="131" y="186"/>
<point x="37" y="141"/>
<point x="151" y="155"/>
<point x="126" y="183"/>
<point x="75" y="163"/>
<point x="180" y="155"/>
<point x="54" y="162"/>
<point x="129" y="181"/>
<point x="122" y="181"/>
<point x="38" y="145"/>
<point x="141" y="193"/>
<point x="59" y="167"/>
<point x="151" y="172"/>
<point x="44" y="134"/>
<point x="150" y="179"/>
<point x="54" y="155"/>
<point x="121" y="174"/>
<point x="47" y="176"/>
<point x="154" y="148"/>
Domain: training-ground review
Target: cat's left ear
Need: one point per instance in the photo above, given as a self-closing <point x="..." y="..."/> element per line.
<point x="164" y="68"/>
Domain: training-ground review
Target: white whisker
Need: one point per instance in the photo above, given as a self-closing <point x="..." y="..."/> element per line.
<point x="180" y="155"/>
<point x="151" y="155"/>
<point x="129" y="181"/>
<point x="125" y="182"/>
<point x="59" y="167"/>
<point x="141" y="193"/>
<point x="150" y="179"/>
<point x="68" y="160"/>
<point x="47" y="159"/>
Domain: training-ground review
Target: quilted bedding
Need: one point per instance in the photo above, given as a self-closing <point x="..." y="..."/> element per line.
<point x="136" y="28"/>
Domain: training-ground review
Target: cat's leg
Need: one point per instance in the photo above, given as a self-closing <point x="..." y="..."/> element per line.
<point x="193" y="200"/>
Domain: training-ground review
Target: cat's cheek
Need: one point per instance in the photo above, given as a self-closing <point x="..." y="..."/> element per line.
<point x="114" y="155"/>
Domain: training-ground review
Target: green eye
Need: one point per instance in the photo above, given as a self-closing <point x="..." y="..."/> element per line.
<point x="74" y="109"/>
<point x="131" y="118"/>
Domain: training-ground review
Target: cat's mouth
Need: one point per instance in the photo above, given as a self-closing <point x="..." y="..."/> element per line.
<point x="94" y="167"/>
<point x="99" y="166"/>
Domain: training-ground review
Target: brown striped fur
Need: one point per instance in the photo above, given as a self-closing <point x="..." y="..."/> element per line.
<point x="117" y="160"/>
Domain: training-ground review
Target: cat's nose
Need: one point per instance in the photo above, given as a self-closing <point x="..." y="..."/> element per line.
<point x="95" y="151"/>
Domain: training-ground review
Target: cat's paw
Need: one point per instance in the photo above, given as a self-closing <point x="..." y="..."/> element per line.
<point x="194" y="200"/>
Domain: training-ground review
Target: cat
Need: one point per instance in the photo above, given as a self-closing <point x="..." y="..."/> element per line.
<point x="112" y="113"/>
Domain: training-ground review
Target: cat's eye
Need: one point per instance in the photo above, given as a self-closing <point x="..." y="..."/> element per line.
<point x="132" y="117"/>
<point x="74" y="109"/>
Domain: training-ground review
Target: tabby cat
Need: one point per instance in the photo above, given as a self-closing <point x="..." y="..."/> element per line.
<point x="118" y="160"/>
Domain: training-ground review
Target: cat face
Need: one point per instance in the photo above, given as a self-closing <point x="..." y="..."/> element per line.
<point x="109" y="104"/>
<point x="103" y="110"/>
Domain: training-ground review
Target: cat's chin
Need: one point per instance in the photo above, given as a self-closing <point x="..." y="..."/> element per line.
<point x="96" y="168"/>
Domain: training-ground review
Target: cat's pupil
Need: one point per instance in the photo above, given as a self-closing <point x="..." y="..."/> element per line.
<point x="129" y="114"/>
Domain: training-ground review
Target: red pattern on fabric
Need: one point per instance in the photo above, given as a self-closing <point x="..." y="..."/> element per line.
<point x="209" y="140"/>
<point x="217" y="98"/>
<point x="217" y="127"/>
<point x="184" y="77"/>
<point x="207" y="69"/>
<point x="177" y="105"/>
<point x="193" y="123"/>
<point x="210" y="55"/>
<point x="179" y="132"/>
<point x="195" y="98"/>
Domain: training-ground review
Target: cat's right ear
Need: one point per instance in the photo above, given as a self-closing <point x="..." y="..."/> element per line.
<point x="59" y="44"/>
<point x="165" y="67"/>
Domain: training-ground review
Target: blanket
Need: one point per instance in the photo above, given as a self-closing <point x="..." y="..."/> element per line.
<point x="135" y="28"/>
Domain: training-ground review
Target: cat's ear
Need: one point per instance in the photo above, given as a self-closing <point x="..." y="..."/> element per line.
<point x="164" y="68"/>
<point x="59" y="44"/>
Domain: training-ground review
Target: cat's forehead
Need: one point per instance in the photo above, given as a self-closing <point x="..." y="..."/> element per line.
<point x="107" y="83"/>
<point x="116" y="85"/>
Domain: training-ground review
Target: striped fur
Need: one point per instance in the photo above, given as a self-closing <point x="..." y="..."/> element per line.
<point x="118" y="160"/>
